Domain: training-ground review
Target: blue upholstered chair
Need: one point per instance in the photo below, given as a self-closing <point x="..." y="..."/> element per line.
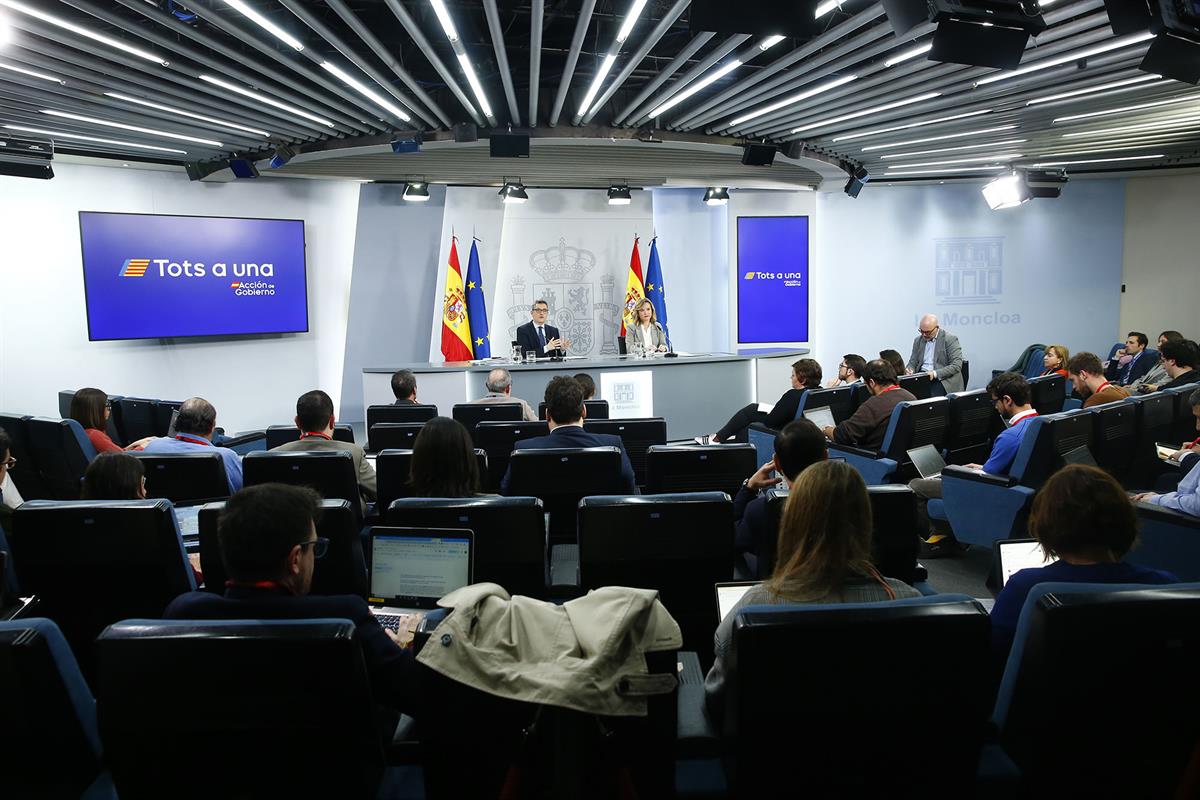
<point x="840" y="400"/>
<point x="62" y="452"/>
<point x="49" y="743"/>
<point x="1048" y="393"/>
<point x="914" y="423"/>
<point x="1099" y="696"/>
<point x="1167" y="540"/>
<point x="972" y="425"/>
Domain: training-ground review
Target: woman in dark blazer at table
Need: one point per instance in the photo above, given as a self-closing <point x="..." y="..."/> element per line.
<point x="806" y="374"/>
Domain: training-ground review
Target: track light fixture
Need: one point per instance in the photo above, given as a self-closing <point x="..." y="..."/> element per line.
<point x="416" y="192"/>
<point x="618" y="195"/>
<point x="283" y="154"/>
<point x="716" y="196"/>
<point x="514" y="192"/>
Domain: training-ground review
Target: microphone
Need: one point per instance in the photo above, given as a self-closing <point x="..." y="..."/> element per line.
<point x="670" y="347"/>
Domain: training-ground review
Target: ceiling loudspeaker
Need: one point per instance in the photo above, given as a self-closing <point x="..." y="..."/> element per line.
<point x="980" y="33"/>
<point x="243" y="168"/>
<point x="758" y="155"/>
<point x="509" y="145"/>
<point x="466" y="132"/>
<point x="27" y="169"/>
<point x="858" y="179"/>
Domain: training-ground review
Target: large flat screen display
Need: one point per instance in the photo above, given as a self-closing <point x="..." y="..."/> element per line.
<point x="150" y="276"/>
<point x="772" y="279"/>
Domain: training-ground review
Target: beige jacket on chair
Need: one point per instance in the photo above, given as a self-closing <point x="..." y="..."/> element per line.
<point x="586" y="654"/>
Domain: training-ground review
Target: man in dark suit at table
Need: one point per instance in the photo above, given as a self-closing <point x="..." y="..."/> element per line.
<point x="538" y="336"/>
<point x="565" y="412"/>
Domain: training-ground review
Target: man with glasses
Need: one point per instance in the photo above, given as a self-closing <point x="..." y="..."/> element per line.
<point x="269" y="543"/>
<point x="538" y="336"/>
<point x="937" y="354"/>
<point x="1011" y="398"/>
<point x="849" y="371"/>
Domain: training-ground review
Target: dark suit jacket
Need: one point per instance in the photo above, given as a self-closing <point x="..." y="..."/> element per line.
<point x="573" y="436"/>
<point x="392" y="670"/>
<point x="528" y="339"/>
<point x="1134" y="369"/>
<point x="753" y="525"/>
<point x="1191" y="376"/>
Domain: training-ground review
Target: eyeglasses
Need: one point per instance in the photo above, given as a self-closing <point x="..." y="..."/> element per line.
<point x="10" y="462"/>
<point x="320" y="546"/>
<point x="541" y="311"/>
<point x="926" y="333"/>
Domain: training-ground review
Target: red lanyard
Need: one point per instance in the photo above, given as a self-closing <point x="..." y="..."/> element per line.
<point x="272" y="585"/>
<point x="1100" y="388"/>
<point x="1022" y="419"/>
<point x="185" y="438"/>
<point x="316" y="433"/>
<point x="893" y="387"/>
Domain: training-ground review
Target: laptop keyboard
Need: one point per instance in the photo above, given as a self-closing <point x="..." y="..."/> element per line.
<point x="392" y="621"/>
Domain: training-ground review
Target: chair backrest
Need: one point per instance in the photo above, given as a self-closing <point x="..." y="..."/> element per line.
<point x="49" y="744"/>
<point x="1185" y="420"/>
<point x="838" y="400"/>
<point x="393" y="468"/>
<point x="498" y="439"/>
<point x="637" y="435"/>
<point x="894" y="545"/>
<point x="915" y="423"/>
<point x="1042" y="446"/>
<point x="1115" y="436"/>
<point x="343" y="569"/>
<point x="26" y="475"/>
<point x="163" y="409"/>
<point x="185" y="477"/>
<point x="1155" y="423"/>
<point x="859" y="394"/>
<point x="679" y="544"/>
<point x="62" y="452"/>
<point x="93" y="562"/>
<point x="250" y="709"/>
<point x="134" y="418"/>
<point x="400" y="413"/>
<point x="971" y="424"/>
<point x="919" y="384"/>
<point x="1099" y="696"/>
<point x="1035" y="363"/>
<point x="596" y="409"/>
<point x="1048" y="393"/>
<point x="471" y="414"/>
<point x="510" y="535"/>
<point x="392" y="435"/>
<point x="696" y="468"/>
<point x="841" y="671"/>
<point x="282" y="434"/>
<point x="560" y="478"/>
<point x="330" y="472"/>
<point x="65" y="397"/>
<point x="1167" y="540"/>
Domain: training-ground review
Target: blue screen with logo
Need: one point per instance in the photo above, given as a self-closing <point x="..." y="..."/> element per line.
<point x="772" y="279"/>
<point x="149" y="276"/>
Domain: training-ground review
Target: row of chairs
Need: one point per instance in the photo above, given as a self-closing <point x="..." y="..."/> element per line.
<point x="132" y="418"/>
<point x="1055" y="730"/>
<point x="469" y="414"/>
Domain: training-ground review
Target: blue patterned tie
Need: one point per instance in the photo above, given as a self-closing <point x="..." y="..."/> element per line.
<point x="542" y="337"/>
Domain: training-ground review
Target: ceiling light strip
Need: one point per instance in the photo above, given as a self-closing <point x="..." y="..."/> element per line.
<point x="32" y="73"/>
<point x="365" y="91"/>
<point x="179" y="111"/>
<point x="1068" y="58"/>
<point x="699" y="85"/>
<point x="990" y="167"/>
<point x="993" y="157"/>
<point x="83" y="31"/>
<point x="150" y="131"/>
<point x="908" y="55"/>
<point x="266" y="100"/>
<point x="1125" y="109"/>
<point x="1093" y="89"/>
<point x="867" y="112"/>
<point x="792" y="100"/>
<point x="266" y="24"/>
<point x="1094" y="161"/>
<point x="943" y="137"/>
<point x="80" y="136"/>
<point x="1183" y="122"/>
<point x="960" y="148"/>
<point x="907" y="126"/>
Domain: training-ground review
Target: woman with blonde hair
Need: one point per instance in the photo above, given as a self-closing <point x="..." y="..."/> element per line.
<point x="1055" y="360"/>
<point x="823" y="556"/>
<point x="646" y="335"/>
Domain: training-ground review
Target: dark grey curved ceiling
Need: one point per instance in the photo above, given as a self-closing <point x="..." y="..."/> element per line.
<point x="202" y="80"/>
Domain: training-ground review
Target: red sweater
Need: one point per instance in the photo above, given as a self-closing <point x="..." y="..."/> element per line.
<point x="101" y="441"/>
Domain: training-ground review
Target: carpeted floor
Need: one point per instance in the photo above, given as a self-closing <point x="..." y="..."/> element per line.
<point x="964" y="574"/>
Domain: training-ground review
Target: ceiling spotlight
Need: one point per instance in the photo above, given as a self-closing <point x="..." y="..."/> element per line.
<point x="514" y="192"/>
<point x="618" y="195"/>
<point x="407" y="143"/>
<point x="416" y="192"/>
<point x="1007" y="191"/>
<point x="716" y="196"/>
<point x="283" y="154"/>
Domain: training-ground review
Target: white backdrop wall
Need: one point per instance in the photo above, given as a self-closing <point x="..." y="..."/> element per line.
<point x="1048" y="271"/>
<point x="1161" y="258"/>
<point x="253" y="382"/>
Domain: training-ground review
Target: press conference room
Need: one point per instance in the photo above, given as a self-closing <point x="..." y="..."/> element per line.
<point x="413" y="399"/>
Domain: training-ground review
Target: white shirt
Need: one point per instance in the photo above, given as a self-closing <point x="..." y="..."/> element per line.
<point x="643" y="332"/>
<point x="927" y="364"/>
<point x="8" y="490"/>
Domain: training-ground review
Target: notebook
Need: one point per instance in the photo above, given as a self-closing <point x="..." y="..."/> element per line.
<point x="1014" y="555"/>
<point x="821" y="417"/>
<point x="927" y="460"/>
<point x="412" y="568"/>
<point x="728" y="595"/>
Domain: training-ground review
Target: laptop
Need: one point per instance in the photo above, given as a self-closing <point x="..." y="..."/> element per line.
<point x="927" y="460"/>
<point x="171" y="424"/>
<point x="821" y="417"/>
<point x="412" y="568"/>
<point x="188" y="519"/>
<point x="1080" y="455"/>
<point x="1013" y="555"/>
<point x="728" y="595"/>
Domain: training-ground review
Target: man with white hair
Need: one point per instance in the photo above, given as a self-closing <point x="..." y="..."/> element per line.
<point x="499" y="386"/>
<point x="937" y="354"/>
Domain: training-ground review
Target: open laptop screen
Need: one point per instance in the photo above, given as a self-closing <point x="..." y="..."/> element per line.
<point x="728" y="595"/>
<point x="821" y="417"/>
<point x="418" y="569"/>
<point x="1014" y="555"/>
<point x="927" y="460"/>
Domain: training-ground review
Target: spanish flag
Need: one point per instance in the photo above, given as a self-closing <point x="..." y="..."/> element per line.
<point x="456" y="328"/>
<point x="635" y="288"/>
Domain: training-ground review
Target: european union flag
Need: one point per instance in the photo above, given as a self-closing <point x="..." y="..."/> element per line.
<point x="654" y="288"/>
<point x="481" y="342"/>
